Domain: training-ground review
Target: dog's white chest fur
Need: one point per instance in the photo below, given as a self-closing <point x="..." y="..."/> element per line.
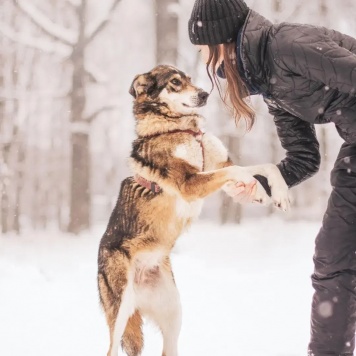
<point x="205" y="154"/>
<point x="188" y="210"/>
<point x="214" y="151"/>
<point x="190" y="152"/>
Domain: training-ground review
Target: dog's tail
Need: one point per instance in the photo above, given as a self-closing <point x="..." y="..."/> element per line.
<point x="132" y="340"/>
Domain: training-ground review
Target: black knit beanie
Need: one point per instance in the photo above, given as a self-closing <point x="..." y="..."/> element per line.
<point x="216" y="21"/>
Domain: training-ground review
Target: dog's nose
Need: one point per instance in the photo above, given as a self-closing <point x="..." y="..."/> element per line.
<point x="203" y="96"/>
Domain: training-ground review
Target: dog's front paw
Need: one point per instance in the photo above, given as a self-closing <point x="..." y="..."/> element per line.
<point x="238" y="174"/>
<point x="261" y="195"/>
<point x="279" y="188"/>
<point x="280" y="196"/>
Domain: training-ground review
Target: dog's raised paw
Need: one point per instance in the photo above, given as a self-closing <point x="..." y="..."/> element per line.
<point x="261" y="195"/>
<point x="281" y="199"/>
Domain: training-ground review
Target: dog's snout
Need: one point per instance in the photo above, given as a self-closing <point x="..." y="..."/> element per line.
<point x="203" y="96"/>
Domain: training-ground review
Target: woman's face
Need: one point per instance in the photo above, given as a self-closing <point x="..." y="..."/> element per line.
<point x="204" y="50"/>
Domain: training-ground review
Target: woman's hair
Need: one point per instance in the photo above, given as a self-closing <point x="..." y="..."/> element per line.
<point x="236" y="90"/>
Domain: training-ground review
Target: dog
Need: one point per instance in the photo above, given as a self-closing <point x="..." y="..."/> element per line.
<point x="175" y="166"/>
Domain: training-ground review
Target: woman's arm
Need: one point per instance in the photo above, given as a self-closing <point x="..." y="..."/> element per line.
<point x="342" y="40"/>
<point x="302" y="147"/>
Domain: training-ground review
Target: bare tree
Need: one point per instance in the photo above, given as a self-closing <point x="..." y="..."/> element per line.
<point x="167" y="12"/>
<point x="229" y="210"/>
<point x="73" y="42"/>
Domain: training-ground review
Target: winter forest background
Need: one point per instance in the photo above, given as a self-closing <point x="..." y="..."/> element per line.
<point x="65" y="113"/>
<point x="65" y="134"/>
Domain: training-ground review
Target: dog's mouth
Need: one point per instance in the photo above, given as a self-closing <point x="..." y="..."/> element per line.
<point x="199" y="104"/>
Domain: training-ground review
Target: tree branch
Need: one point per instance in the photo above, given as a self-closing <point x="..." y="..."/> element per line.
<point x="94" y="74"/>
<point x="295" y="12"/>
<point x="74" y="3"/>
<point x="96" y="113"/>
<point x="52" y="29"/>
<point x="99" y="25"/>
<point x="36" y="43"/>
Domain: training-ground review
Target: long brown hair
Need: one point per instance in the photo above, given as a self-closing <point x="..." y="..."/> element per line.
<point x="236" y="90"/>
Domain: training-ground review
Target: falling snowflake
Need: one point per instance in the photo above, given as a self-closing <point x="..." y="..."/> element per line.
<point x="338" y="112"/>
<point x="200" y="24"/>
<point x="325" y="309"/>
<point x="327" y="88"/>
<point x="321" y="110"/>
<point x="273" y="80"/>
<point x="349" y="171"/>
<point x="348" y="344"/>
<point x="335" y="299"/>
<point x="347" y="160"/>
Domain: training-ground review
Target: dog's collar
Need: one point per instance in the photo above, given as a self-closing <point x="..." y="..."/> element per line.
<point x="153" y="186"/>
<point x="198" y="135"/>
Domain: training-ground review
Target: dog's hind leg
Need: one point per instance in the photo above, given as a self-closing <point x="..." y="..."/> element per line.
<point x="132" y="340"/>
<point x="166" y="309"/>
<point x="126" y="310"/>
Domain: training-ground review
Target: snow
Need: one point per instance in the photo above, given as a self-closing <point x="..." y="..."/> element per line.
<point x="245" y="290"/>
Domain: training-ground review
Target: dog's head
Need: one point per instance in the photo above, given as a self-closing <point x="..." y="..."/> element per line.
<point x="169" y="86"/>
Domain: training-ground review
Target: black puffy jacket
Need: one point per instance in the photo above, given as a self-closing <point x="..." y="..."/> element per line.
<point x="307" y="76"/>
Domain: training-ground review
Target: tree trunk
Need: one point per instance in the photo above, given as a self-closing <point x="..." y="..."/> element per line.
<point x="80" y="202"/>
<point x="229" y="210"/>
<point x="167" y="31"/>
<point x="274" y="139"/>
<point x="19" y="185"/>
<point x="4" y="205"/>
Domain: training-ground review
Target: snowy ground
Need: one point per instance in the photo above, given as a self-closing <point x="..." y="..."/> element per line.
<point x="245" y="290"/>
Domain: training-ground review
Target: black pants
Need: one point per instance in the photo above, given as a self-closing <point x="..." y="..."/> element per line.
<point x="333" y="318"/>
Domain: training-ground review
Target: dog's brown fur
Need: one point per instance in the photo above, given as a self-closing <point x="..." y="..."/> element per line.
<point x="135" y="276"/>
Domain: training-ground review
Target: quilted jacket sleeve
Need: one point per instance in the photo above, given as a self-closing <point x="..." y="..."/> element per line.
<point x="299" y="140"/>
<point x="315" y="55"/>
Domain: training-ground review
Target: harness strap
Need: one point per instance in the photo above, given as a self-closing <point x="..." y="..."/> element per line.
<point x="153" y="186"/>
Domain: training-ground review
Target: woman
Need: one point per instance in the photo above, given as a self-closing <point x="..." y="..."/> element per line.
<point x="307" y="76"/>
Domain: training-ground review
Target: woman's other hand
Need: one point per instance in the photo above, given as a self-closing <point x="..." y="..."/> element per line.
<point x="240" y="192"/>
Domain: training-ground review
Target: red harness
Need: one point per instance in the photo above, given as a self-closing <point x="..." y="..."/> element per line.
<point x="153" y="186"/>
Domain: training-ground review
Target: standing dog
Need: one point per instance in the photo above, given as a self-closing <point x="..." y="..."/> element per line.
<point x="175" y="166"/>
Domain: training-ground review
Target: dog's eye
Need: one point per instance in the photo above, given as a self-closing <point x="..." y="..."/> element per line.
<point x="176" y="82"/>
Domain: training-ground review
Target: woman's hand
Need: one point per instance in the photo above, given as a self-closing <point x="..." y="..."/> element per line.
<point x="242" y="193"/>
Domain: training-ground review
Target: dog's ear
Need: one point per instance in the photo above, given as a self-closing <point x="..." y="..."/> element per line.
<point x="142" y="84"/>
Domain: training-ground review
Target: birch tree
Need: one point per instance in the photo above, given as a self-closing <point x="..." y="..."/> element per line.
<point x="167" y="12"/>
<point x="72" y="42"/>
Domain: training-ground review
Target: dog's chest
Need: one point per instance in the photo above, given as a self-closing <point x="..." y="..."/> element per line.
<point x="188" y="210"/>
<point x="204" y="154"/>
<point x="191" y="152"/>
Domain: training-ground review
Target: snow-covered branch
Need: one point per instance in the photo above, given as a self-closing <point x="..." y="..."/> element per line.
<point x="52" y="29"/>
<point x="74" y="3"/>
<point x="36" y="43"/>
<point x="94" y="74"/>
<point x="96" y="113"/>
<point x="100" y="23"/>
<point x="295" y="12"/>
